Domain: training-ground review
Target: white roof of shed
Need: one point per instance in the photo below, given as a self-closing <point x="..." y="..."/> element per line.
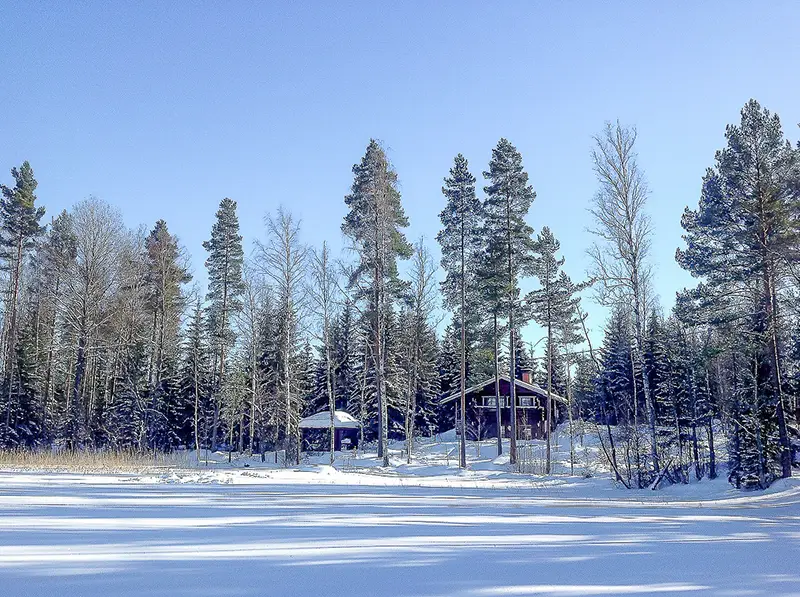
<point x="322" y="420"/>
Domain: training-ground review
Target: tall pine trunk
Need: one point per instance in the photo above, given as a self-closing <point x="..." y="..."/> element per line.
<point x="498" y="409"/>
<point x="638" y="303"/>
<point x="463" y="421"/>
<point x="774" y="356"/>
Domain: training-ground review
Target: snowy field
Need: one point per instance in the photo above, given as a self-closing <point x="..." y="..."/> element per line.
<point x="424" y="530"/>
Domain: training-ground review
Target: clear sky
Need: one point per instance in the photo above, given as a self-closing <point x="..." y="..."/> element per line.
<point x="164" y="108"/>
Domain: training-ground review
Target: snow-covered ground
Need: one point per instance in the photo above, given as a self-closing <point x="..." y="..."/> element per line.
<point x="412" y="530"/>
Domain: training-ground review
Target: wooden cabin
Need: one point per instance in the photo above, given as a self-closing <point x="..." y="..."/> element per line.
<point x="482" y="408"/>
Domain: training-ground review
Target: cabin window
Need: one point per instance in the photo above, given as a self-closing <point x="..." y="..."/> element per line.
<point x="491" y="401"/>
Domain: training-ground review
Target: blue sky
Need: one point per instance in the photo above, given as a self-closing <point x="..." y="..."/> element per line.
<point x="163" y="108"/>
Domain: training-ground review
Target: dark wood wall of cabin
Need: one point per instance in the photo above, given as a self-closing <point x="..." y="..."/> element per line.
<point x="482" y="422"/>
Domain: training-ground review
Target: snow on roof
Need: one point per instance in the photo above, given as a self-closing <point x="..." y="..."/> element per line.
<point x="322" y="420"/>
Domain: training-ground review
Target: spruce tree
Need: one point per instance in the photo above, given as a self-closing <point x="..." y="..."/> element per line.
<point x="196" y="374"/>
<point x="449" y="369"/>
<point x="524" y="361"/>
<point x="615" y="392"/>
<point x="167" y="272"/>
<point x="55" y="257"/>
<point x="345" y="357"/>
<point x="24" y="424"/>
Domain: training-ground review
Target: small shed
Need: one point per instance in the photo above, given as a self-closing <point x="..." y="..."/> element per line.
<point x="314" y="430"/>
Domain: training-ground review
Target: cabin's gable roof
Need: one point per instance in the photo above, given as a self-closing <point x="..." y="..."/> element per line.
<point x="530" y="387"/>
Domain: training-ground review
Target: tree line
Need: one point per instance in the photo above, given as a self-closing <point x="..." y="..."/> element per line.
<point x="106" y="345"/>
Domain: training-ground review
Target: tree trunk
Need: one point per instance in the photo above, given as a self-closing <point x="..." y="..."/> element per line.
<point x="253" y="394"/>
<point x="772" y="322"/>
<point x="512" y="395"/>
<point x="331" y="395"/>
<point x="549" y="406"/>
<point x="712" y="459"/>
<point x="12" y="330"/>
<point x="570" y="415"/>
<point x="639" y="483"/>
<point x="498" y="409"/>
<point x="638" y="307"/>
<point x="463" y="421"/>
<point x="80" y="366"/>
<point x="196" y="406"/>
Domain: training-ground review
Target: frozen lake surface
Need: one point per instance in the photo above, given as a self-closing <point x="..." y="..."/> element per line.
<point x="108" y="535"/>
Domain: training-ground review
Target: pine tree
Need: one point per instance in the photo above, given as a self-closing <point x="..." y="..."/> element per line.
<point x="225" y="286"/>
<point x="19" y="228"/>
<point x="508" y="199"/>
<point x="553" y="306"/>
<point x="492" y="294"/>
<point x="460" y="239"/>
<point x="746" y="232"/>
<point x="374" y="223"/>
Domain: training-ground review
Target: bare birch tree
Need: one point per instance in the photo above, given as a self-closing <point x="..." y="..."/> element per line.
<point x="99" y="236"/>
<point x="422" y="301"/>
<point x="324" y="294"/>
<point x="284" y="259"/>
<point x="619" y="257"/>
